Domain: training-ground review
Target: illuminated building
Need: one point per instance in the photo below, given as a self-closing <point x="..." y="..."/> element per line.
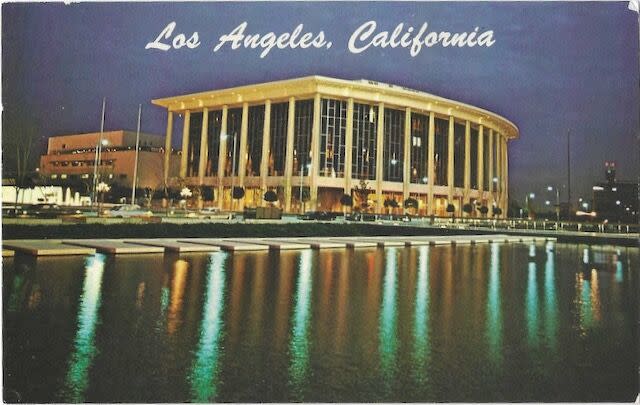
<point x="325" y="135"/>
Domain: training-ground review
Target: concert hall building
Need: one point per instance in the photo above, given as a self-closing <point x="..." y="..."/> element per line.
<point x="326" y="135"/>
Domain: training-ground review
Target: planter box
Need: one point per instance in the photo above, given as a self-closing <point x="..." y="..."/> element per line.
<point x="268" y="213"/>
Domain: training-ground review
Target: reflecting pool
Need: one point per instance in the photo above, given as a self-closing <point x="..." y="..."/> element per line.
<point x="494" y="322"/>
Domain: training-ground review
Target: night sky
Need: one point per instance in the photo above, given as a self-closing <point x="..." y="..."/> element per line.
<point x="553" y="67"/>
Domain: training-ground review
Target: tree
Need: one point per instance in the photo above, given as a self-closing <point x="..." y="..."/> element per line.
<point x="451" y="209"/>
<point x="270" y="197"/>
<point x="362" y="192"/>
<point x="346" y="201"/>
<point x="497" y="211"/>
<point x="483" y="210"/>
<point x="411" y="203"/>
<point x="390" y="204"/>
<point x="238" y="193"/>
<point x="207" y="193"/>
<point x="467" y="208"/>
<point x="102" y="189"/>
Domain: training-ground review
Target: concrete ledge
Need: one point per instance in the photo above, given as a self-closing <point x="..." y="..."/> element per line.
<point x="114" y="246"/>
<point x="227" y="245"/>
<point x="46" y="247"/>
<point x="173" y="245"/>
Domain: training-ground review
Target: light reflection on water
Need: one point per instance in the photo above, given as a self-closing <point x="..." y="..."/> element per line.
<point x="84" y="349"/>
<point x="205" y="368"/>
<point x="494" y="306"/>
<point x="366" y="325"/>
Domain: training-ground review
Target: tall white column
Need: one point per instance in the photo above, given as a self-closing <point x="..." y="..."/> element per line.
<point x="406" y="163"/>
<point x="289" y="154"/>
<point x="202" y="164"/>
<point x="315" y="154"/>
<point x="379" y="158"/>
<point x="467" y="162"/>
<point x="266" y="150"/>
<point x="222" y="156"/>
<point x="167" y="147"/>
<point x="450" y="162"/>
<point x="431" y="178"/>
<point x="242" y="153"/>
<point x="481" y="159"/>
<point x="348" y="149"/>
<point x="185" y="144"/>
<point x="491" y="173"/>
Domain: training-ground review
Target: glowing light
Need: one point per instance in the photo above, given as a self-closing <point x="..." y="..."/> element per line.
<point x="205" y="367"/>
<point x="387" y="330"/>
<point x="421" y="320"/>
<point x="299" y="336"/>
<point x="532" y="305"/>
<point x="550" y="302"/>
<point x="84" y="350"/>
<point x="494" y="311"/>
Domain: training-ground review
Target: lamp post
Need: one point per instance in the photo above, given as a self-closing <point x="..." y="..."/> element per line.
<point x="551" y="188"/>
<point x="526" y="199"/>
<point x="97" y="157"/>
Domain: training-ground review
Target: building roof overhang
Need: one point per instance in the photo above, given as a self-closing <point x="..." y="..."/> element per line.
<point x="359" y="90"/>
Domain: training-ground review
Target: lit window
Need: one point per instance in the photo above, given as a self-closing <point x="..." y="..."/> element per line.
<point x="63" y="176"/>
<point x="85" y="176"/>
<point x="54" y="176"/>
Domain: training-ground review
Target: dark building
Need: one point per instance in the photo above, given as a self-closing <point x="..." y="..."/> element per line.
<point x="615" y="201"/>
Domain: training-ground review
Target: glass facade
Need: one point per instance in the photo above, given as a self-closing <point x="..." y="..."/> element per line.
<point x="255" y="133"/>
<point x="234" y="122"/>
<point x="195" y="129"/>
<point x="474" y="157"/>
<point x="333" y="129"/>
<point x="393" y="152"/>
<point x="485" y="166"/>
<point x="302" y="136"/>
<point x="364" y="148"/>
<point x="440" y="154"/>
<point x="213" y="142"/>
<point x="419" y="148"/>
<point x="278" y="138"/>
<point x="458" y="154"/>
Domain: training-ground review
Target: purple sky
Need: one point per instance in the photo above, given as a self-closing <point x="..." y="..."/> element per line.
<point x="554" y="66"/>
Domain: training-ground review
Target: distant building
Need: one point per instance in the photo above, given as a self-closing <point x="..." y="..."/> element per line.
<point x="615" y="200"/>
<point x="70" y="160"/>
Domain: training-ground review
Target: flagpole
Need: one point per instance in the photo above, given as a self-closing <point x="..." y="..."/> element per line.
<point x="135" y="165"/>
<point x="97" y="157"/>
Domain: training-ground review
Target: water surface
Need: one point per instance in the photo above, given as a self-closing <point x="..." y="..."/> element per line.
<point x="499" y="322"/>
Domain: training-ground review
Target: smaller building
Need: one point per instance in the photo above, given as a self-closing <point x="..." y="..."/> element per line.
<point x="613" y="200"/>
<point x="70" y="160"/>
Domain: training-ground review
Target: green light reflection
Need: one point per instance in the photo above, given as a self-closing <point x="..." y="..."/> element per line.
<point x="532" y="305"/>
<point x="16" y="293"/>
<point x="77" y="377"/>
<point x="494" y="311"/>
<point x="205" y="368"/>
<point x="422" y="347"/>
<point x="299" y="345"/>
<point x="388" y="339"/>
<point x="550" y="299"/>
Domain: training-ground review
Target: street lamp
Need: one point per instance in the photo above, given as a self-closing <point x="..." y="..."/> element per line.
<point x="551" y="188"/>
<point x="526" y="199"/>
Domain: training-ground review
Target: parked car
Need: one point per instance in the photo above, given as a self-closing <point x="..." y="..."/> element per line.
<point x="361" y="217"/>
<point x="128" y="211"/>
<point x="48" y="210"/>
<point x="318" y="216"/>
<point x="210" y="212"/>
